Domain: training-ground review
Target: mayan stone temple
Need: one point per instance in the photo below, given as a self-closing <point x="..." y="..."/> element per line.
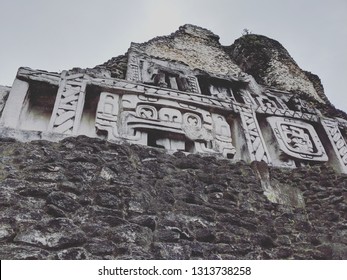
<point x="246" y="108"/>
<point x="179" y="101"/>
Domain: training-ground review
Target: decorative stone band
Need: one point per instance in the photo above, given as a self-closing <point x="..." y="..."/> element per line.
<point x="255" y="142"/>
<point x="190" y="99"/>
<point x="287" y="113"/>
<point x="337" y="140"/>
<point x="68" y="107"/>
<point x="133" y="73"/>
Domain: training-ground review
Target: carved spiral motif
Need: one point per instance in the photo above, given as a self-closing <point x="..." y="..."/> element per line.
<point x="192" y="120"/>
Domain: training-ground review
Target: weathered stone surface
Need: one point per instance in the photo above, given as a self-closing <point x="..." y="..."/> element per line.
<point x="213" y="209"/>
<point x="78" y="253"/>
<point x="64" y="201"/>
<point x="270" y="63"/>
<point x="6" y="232"/>
<point x="4" y="91"/>
<point x="22" y="252"/>
<point x="117" y="66"/>
<point x="197" y="47"/>
<point x="54" y="233"/>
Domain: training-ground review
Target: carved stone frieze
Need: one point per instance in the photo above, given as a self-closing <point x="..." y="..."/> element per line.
<point x="171" y="125"/>
<point x="161" y="105"/>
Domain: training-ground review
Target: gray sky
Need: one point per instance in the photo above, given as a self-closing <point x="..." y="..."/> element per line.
<point x="59" y="35"/>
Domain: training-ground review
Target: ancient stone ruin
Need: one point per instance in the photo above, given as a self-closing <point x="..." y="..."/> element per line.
<point x="166" y="102"/>
<point x="180" y="149"/>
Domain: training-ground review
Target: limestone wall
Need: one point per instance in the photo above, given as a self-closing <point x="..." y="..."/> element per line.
<point x="85" y="198"/>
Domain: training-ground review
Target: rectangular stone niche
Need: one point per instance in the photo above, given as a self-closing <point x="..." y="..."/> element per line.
<point x="37" y="107"/>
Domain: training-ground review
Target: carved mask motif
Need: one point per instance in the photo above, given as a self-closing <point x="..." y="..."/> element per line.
<point x="297" y="138"/>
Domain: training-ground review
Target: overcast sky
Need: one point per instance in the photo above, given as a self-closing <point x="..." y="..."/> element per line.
<point x="61" y="34"/>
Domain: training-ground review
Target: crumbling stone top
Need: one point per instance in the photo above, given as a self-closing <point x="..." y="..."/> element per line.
<point x="271" y="64"/>
<point x="197" y="47"/>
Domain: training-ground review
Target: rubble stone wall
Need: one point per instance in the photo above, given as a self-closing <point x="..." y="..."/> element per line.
<point x="85" y="198"/>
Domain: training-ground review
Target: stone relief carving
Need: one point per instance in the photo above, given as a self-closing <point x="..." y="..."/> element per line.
<point x="220" y="92"/>
<point x="162" y="114"/>
<point x="170" y="115"/>
<point x="193" y="84"/>
<point x="297" y="139"/>
<point x="208" y="134"/>
<point x="338" y="141"/>
<point x="255" y="142"/>
<point x="107" y="115"/>
<point x="147" y="112"/>
<point x="270" y="103"/>
<point x="223" y="140"/>
<point x="166" y="74"/>
<point x="298" y="104"/>
<point x="133" y="73"/>
<point x="68" y="107"/>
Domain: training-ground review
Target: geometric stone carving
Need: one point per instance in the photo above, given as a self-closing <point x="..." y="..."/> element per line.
<point x="68" y="107"/>
<point x="133" y="69"/>
<point x="270" y="103"/>
<point x="297" y="139"/>
<point x="337" y="140"/>
<point x="107" y="114"/>
<point x="170" y="115"/>
<point x="223" y="141"/>
<point x="147" y="112"/>
<point x="193" y="84"/>
<point x="255" y="142"/>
